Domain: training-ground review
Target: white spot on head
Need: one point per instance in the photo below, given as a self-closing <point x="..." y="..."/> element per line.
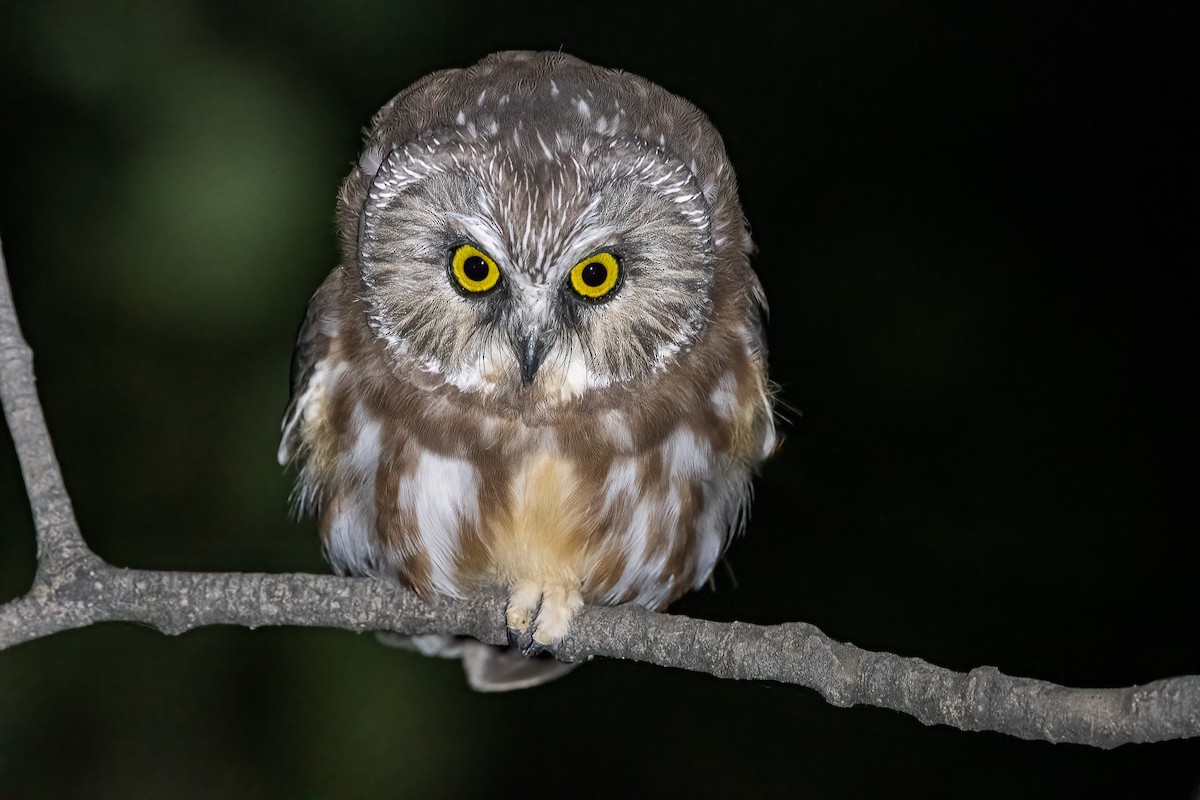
<point x="545" y="150"/>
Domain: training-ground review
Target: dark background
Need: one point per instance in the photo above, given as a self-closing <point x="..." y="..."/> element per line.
<point x="978" y="235"/>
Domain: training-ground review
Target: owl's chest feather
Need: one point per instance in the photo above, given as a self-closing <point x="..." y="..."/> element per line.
<point x="541" y="528"/>
<point x="638" y="527"/>
<point x="634" y="503"/>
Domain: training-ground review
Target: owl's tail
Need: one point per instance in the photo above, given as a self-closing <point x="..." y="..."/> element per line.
<point x="489" y="668"/>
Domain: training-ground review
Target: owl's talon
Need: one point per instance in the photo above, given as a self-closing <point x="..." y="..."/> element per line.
<point x="533" y="649"/>
<point x="539" y="615"/>
<point x="521" y="615"/>
<point x="520" y="640"/>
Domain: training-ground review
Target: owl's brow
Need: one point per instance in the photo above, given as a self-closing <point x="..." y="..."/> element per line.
<point x="581" y="237"/>
<point x="484" y="234"/>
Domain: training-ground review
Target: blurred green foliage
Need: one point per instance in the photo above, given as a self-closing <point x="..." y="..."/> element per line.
<point x="977" y="233"/>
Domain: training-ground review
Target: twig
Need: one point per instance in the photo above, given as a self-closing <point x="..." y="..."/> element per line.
<point x="74" y="588"/>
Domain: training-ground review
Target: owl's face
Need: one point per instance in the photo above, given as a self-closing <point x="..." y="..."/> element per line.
<point x="530" y="257"/>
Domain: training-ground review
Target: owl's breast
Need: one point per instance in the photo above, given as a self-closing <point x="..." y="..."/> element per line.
<point x="633" y="502"/>
<point x="642" y="528"/>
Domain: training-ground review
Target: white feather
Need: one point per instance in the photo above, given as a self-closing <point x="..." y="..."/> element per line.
<point x="442" y="494"/>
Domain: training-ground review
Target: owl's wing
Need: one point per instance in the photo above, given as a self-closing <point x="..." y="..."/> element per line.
<point x="312" y="345"/>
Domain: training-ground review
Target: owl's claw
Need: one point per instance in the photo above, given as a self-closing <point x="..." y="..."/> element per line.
<point x="538" y="616"/>
<point x="533" y="649"/>
<point x="523" y="642"/>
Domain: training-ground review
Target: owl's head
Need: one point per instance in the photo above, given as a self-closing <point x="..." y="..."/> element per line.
<point x="534" y="227"/>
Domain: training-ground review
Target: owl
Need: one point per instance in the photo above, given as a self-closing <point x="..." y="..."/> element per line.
<point x="540" y="364"/>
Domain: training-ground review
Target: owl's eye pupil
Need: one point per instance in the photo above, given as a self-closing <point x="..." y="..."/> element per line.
<point x="475" y="268"/>
<point x="594" y="274"/>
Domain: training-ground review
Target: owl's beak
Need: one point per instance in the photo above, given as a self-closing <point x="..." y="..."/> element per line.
<point x="531" y="352"/>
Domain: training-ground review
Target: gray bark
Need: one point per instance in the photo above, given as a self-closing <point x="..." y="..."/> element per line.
<point x="73" y="588"/>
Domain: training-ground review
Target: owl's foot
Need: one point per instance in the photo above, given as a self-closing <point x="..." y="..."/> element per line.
<point x="539" y="615"/>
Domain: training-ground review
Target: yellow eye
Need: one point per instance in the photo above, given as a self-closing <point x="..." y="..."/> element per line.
<point x="595" y="276"/>
<point x="474" y="269"/>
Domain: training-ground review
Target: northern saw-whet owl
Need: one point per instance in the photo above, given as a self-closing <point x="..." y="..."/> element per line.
<point x="541" y="362"/>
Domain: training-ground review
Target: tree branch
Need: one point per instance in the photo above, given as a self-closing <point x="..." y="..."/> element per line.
<point x="58" y="538"/>
<point x="74" y="588"/>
